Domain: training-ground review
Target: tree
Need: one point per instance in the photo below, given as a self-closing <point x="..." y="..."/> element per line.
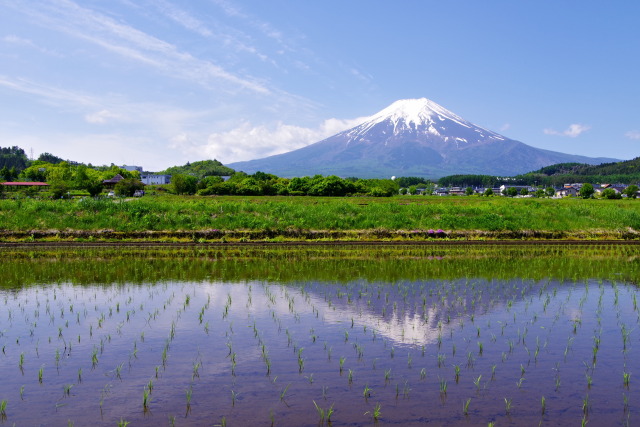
<point x="58" y="189"/>
<point x="468" y="191"/>
<point x="403" y="191"/>
<point x="184" y="184"/>
<point x="632" y="191"/>
<point x="512" y="191"/>
<point x="586" y="191"/>
<point x="126" y="187"/>
<point x="610" y="194"/>
<point x="524" y="192"/>
<point x="50" y="158"/>
<point x="94" y="187"/>
<point x="412" y="190"/>
<point x="488" y="192"/>
<point x="550" y="191"/>
<point x="539" y="193"/>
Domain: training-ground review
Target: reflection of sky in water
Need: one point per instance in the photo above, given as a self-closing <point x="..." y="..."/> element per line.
<point x="543" y="327"/>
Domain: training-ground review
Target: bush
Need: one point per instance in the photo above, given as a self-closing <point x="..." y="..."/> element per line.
<point x="58" y="190"/>
<point x="184" y="184"/>
<point x="610" y="193"/>
<point x="126" y="187"/>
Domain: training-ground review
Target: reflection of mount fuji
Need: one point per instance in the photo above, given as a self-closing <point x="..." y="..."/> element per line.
<point x="413" y="320"/>
<point x="412" y="137"/>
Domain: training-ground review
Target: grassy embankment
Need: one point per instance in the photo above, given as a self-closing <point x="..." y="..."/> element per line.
<point x="216" y="219"/>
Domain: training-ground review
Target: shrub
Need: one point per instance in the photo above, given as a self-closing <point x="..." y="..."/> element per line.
<point x="126" y="187"/>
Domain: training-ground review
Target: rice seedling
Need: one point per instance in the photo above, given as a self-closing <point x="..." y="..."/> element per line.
<point x="67" y="389"/>
<point x="3" y="407"/>
<point x="586" y="405"/>
<point x="366" y="393"/>
<point x="146" y="399"/>
<point x="465" y="407"/>
<point x="476" y="382"/>
<point x="324" y="414"/>
<point x="443" y="386"/>
<point x="283" y="393"/>
<point x="507" y="406"/>
<point x="189" y="394"/>
<point x="543" y="403"/>
<point x="626" y="377"/>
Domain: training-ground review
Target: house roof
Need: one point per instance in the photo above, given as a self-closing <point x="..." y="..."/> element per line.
<point x="113" y="180"/>
<point x="26" y="184"/>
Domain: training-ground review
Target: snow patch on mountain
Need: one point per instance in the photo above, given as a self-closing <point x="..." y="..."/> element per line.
<point x="418" y="116"/>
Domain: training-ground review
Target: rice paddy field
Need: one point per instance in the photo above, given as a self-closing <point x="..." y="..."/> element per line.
<point x="320" y="335"/>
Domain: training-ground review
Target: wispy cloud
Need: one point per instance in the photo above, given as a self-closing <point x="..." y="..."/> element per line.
<point x="633" y="134"/>
<point x="96" y="110"/>
<point x="247" y="142"/>
<point x="236" y="12"/>
<point x="70" y="18"/>
<point x="574" y="130"/>
<point x="48" y="94"/>
<point x="21" y="41"/>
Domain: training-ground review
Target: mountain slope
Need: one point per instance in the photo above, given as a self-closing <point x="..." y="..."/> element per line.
<point x="414" y="137"/>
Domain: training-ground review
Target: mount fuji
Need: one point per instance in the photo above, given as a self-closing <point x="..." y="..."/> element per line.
<point x="412" y="137"/>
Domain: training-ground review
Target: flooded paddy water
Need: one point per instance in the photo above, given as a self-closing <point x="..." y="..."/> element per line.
<point x="317" y="335"/>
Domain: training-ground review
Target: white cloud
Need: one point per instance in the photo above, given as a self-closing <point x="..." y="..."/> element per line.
<point x="572" y="131"/>
<point x="101" y="117"/>
<point x="633" y="134"/>
<point x="248" y="142"/>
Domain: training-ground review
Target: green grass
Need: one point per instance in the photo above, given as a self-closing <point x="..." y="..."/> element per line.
<point x="291" y="216"/>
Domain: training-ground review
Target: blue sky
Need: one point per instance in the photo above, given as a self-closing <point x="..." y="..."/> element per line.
<point x="158" y="83"/>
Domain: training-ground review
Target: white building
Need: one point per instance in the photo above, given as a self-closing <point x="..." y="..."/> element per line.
<point x="153" y="179"/>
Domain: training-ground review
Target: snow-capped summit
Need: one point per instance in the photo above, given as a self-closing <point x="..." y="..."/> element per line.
<point x="412" y="137"/>
<point x="422" y="116"/>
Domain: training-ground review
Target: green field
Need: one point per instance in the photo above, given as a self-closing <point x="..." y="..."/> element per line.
<point x="175" y="218"/>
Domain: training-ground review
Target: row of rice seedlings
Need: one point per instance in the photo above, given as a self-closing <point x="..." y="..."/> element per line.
<point x="447" y="335"/>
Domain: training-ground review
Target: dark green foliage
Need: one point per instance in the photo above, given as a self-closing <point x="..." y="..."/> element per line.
<point x="94" y="187"/>
<point x="586" y="191"/>
<point x="473" y="181"/>
<point x="50" y="158"/>
<point x="59" y="190"/>
<point x="610" y="193"/>
<point x="623" y="172"/>
<point x="184" y="184"/>
<point x="128" y="186"/>
<point x="12" y="158"/>
<point x="200" y="169"/>
<point x="632" y="191"/>
<point x="408" y="181"/>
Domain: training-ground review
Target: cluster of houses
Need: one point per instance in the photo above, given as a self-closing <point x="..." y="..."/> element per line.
<point x="568" y="190"/>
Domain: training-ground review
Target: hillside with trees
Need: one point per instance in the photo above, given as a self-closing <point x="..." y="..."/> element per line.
<point x="200" y="169"/>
